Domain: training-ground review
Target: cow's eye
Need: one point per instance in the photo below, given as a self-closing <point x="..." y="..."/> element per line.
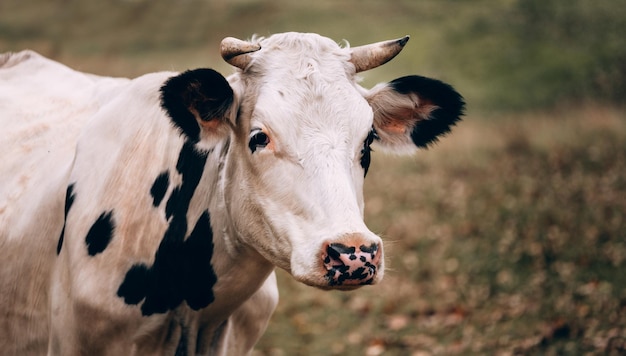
<point x="258" y="139"/>
<point x="367" y="150"/>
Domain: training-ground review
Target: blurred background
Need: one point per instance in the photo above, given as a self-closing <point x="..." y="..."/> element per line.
<point x="508" y="237"/>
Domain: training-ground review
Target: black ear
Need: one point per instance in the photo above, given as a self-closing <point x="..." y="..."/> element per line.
<point x="197" y="100"/>
<point x="414" y="111"/>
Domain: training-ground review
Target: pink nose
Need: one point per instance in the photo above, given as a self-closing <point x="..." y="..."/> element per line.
<point x="350" y="265"/>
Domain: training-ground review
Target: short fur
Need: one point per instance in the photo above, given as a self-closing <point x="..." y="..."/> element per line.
<point x="170" y="230"/>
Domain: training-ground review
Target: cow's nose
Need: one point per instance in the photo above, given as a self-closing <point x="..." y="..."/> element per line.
<point x="351" y="265"/>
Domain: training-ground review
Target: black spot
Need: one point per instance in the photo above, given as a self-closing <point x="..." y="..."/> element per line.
<point x="342" y="278"/>
<point x="60" y="243"/>
<point x="450" y="107"/>
<point x="100" y="233"/>
<point x="182" y="271"/>
<point x="199" y="276"/>
<point x="133" y="289"/>
<point x="159" y="187"/>
<point x="182" y="268"/>
<point x="359" y="273"/>
<point x="170" y="206"/>
<point x="191" y="165"/>
<point x="366" y="152"/>
<point x="69" y="200"/>
<point x="202" y="92"/>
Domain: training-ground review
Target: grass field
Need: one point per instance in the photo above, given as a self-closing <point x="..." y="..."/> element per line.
<point x="508" y="237"/>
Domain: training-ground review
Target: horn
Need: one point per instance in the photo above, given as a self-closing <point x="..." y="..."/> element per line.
<point x="376" y="54"/>
<point x="235" y="51"/>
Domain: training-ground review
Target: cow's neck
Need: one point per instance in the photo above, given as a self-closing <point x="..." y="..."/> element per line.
<point x="239" y="268"/>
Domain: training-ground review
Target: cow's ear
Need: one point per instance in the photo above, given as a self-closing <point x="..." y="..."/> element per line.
<point x="198" y="102"/>
<point x="413" y="112"/>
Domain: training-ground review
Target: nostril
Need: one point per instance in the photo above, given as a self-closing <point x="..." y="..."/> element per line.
<point x="371" y="249"/>
<point x="333" y="251"/>
<point x="336" y="249"/>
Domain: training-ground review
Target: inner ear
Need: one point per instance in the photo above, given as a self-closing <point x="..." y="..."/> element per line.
<point x="399" y="114"/>
<point x="414" y="111"/>
<point x="439" y="106"/>
<point x="197" y="100"/>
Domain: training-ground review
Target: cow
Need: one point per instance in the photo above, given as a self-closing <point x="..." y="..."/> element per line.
<point x="146" y="216"/>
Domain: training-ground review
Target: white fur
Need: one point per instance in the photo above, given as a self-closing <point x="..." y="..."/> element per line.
<point x="277" y="207"/>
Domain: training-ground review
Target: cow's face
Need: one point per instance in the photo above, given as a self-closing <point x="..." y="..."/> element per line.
<point x="300" y="138"/>
<point x="299" y="148"/>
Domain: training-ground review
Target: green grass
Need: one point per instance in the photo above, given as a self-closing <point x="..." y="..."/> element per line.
<point x="502" y="54"/>
<point x="506" y="238"/>
<point x="187" y="33"/>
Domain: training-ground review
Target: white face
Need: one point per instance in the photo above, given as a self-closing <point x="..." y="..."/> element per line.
<point x="297" y="179"/>
<point x="294" y="176"/>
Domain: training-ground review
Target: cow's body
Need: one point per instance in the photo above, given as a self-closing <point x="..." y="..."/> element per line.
<point x="43" y="125"/>
<point x="146" y="216"/>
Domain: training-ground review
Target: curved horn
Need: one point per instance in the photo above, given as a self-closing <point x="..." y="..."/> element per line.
<point x="376" y="54"/>
<point x="235" y="51"/>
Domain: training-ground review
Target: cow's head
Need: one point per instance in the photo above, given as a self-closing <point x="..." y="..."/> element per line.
<point x="298" y="129"/>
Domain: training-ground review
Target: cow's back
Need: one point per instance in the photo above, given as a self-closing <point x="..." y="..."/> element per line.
<point x="43" y="106"/>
